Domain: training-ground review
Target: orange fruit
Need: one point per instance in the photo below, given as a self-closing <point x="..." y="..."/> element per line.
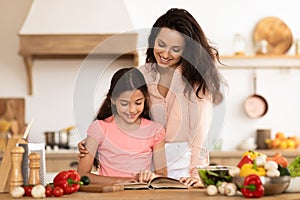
<point x="297" y="140"/>
<point x="280" y="135"/>
<point x="275" y="143"/>
<point x="291" y="144"/>
<point x="283" y="144"/>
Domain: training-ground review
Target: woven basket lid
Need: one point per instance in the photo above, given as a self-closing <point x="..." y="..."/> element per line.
<point x="275" y="32"/>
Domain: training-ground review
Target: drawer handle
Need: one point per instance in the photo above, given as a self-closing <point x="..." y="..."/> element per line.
<point x="74" y="164"/>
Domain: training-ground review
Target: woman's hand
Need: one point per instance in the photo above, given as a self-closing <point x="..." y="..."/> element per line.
<point x="145" y="176"/>
<point x="81" y="148"/>
<point x="191" y="182"/>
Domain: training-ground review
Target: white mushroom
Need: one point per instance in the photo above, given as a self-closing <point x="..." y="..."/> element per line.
<point x="38" y="191"/>
<point x="221" y="187"/>
<point x="271" y="165"/>
<point x="273" y="172"/>
<point x="211" y="190"/>
<point x="230" y="189"/>
<point x="17" y="192"/>
<point x="261" y="160"/>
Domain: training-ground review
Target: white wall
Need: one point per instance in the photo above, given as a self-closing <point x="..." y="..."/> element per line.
<point x="53" y="80"/>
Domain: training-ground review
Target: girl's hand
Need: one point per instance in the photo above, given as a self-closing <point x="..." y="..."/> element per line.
<point x="191" y="182"/>
<point x="145" y="176"/>
<point x="81" y="148"/>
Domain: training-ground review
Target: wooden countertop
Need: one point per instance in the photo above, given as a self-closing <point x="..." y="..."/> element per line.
<point x="191" y="194"/>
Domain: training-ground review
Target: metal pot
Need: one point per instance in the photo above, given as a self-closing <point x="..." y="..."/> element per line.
<point x="50" y="139"/>
<point x="255" y="105"/>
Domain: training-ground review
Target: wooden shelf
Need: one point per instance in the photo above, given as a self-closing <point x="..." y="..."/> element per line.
<point x="74" y="45"/>
<point x="260" y="62"/>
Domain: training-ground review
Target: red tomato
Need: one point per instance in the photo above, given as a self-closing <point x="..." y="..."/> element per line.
<point x="49" y="191"/>
<point x="28" y="189"/>
<point x="58" y="191"/>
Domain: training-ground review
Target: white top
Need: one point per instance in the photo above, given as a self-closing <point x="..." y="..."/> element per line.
<point x="186" y="119"/>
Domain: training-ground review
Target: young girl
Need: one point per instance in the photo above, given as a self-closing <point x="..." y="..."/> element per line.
<point x="123" y="136"/>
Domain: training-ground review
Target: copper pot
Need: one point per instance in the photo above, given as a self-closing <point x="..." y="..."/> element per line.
<point x="255" y="105"/>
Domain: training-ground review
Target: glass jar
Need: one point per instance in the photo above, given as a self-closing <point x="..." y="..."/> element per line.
<point x="239" y="44"/>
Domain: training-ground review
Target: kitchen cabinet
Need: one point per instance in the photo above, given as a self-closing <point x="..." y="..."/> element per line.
<point x="58" y="161"/>
<point x="232" y="158"/>
<point x="281" y="62"/>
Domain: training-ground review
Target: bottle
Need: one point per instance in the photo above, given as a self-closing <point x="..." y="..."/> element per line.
<point x="239" y="44"/>
<point x="297" y="47"/>
<point x="262" y="47"/>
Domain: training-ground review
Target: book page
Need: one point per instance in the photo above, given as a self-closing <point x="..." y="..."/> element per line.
<point x="166" y="182"/>
<point x="155" y="183"/>
<point x="134" y="186"/>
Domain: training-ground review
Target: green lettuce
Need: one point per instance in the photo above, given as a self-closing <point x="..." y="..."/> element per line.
<point x="294" y="167"/>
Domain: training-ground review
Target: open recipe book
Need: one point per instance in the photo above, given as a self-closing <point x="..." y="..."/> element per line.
<point x="155" y="183"/>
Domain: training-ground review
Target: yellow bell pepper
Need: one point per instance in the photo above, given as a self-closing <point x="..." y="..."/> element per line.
<point x="248" y="169"/>
<point x="252" y="154"/>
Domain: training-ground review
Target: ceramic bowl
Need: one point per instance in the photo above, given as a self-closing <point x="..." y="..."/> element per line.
<point x="294" y="185"/>
<point x="272" y="185"/>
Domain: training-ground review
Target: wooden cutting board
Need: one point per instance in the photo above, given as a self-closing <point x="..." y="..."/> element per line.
<point x="275" y="32"/>
<point x="101" y="188"/>
<point x="13" y="110"/>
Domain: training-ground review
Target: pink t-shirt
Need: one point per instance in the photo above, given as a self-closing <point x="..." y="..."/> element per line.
<point x="123" y="153"/>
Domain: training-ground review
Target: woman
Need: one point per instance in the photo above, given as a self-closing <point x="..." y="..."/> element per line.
<point x="183" y="84"/>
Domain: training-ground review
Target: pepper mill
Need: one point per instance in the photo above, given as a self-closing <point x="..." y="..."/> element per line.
<point x="16" y="178"/>
<point x="34" y="166"/>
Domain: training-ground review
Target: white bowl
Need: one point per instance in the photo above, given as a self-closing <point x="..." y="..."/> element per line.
<point x="294" y="185"/>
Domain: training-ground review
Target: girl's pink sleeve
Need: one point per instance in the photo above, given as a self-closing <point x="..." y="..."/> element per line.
<point x="160" y="135"/>
<point x="95" y="131"/>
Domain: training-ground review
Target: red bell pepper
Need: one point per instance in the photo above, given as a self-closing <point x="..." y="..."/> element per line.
<point x="252" y="187"/>
<point x="245" y="160"/>
<point x="69" y="181"/>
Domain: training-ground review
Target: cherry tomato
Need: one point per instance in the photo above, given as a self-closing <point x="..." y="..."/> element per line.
<point x="49" y="191"/>
<point x="28" y="189"/>
<point x="58" y="191"/>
